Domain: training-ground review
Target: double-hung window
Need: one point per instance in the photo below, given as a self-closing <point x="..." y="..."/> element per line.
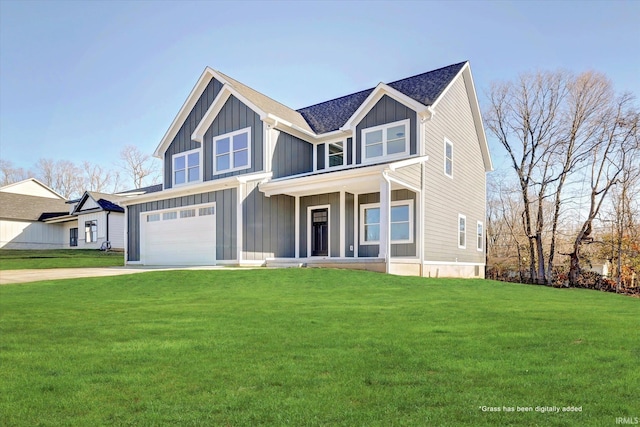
<point x="462" y="231"/>
<point x="91" y="231"/>
<point x="448" y="158"/>
<point x="401" y="223"/>
<point x="480" y="236"/>
<point x="232" y="151"/>
<point x="386" y="141"/>
<point x="186" y="167"/>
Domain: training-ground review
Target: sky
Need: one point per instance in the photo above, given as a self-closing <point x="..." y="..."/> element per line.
<point x="79" y="80"/>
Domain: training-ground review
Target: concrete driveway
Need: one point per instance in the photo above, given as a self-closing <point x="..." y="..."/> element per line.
<point x="24" y="276"/>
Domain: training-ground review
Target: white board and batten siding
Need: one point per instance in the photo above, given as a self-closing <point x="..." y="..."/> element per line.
<point x="18" y="234"/>
<point x="180" y="236"/>
<point x="116" y="230"/>
<point x="464" y="193"/>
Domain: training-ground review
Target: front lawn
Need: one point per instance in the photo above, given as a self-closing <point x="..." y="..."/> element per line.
<point x="14" y="259"/>
<point x="313" y="347"/>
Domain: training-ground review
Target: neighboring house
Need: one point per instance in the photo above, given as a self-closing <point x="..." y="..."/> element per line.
<point x="24" y="207"/>
<point x="389" y="179"/>
<point x="33" y="216"/>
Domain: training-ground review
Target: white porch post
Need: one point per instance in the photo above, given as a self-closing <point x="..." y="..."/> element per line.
<point x="385" y="218"/>
<point x="297" y="226"/>
<point x="343" y="227"/>
<point x="242" y="194"/>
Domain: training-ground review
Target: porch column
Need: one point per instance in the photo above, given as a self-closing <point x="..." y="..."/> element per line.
<point x="343" y="227"/>
<point x="241" y="194"/>
<point x="385" y="217"/>
<point x="297" y="226"/>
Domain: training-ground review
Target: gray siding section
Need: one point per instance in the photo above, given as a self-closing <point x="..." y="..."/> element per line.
<point x="387" y="110"/>
<point x="397" y="250"/>
<point x="226" y="202"/>
<point x="233" y="116"/>
<point x="182" y="141"/>
<point x="411" y="175"/>
<point x="269" y="224"/>
<point x="291" y="156"/>
<point x="349" y="151"/>
<point x="320" y="156"/>
<point x="348" y="217"/>
<point x="464" y="194"/>
<point x="333" y="200"/>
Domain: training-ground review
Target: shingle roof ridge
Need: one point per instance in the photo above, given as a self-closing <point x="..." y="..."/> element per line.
<point x="428" y="72"/>
<point x="336" y="99"/>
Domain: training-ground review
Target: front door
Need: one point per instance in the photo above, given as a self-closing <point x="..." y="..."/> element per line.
<point x="320" y="232"/>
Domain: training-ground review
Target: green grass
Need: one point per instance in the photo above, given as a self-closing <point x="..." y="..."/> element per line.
<point x="11" y="259"/>
<point x="307" y="347"/>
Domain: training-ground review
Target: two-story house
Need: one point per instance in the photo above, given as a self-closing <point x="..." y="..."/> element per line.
<point x="390" y="179"/>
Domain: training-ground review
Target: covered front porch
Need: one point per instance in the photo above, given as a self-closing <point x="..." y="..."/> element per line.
<point x="366" y="218"/>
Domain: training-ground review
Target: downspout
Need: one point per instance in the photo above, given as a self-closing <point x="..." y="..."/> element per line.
<point x="108" y="212"/>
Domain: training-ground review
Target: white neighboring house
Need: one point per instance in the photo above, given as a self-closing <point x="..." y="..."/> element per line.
<point x="33" y="216"/>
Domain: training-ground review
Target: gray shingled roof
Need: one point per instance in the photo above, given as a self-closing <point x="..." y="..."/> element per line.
<point x="424" y="88"/>
<point x="144" y="190"/>
<point x="30" y="208"/>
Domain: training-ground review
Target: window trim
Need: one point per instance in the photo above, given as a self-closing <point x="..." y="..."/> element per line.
<point x="327" y="156"/>
<point x="230" y="135"/>
<point x="93" y="235"/>
<point x="480" y="236"/>
<point x="407" y="149"/>
<point x="458" y="232"/>
<point x="407" y="202"/>
<point x="446" y="159"/>
<point x="185" y="154"/>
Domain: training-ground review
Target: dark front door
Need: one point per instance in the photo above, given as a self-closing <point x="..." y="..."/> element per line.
<point x="320" y="232"/>
<point x="73" y="237"/>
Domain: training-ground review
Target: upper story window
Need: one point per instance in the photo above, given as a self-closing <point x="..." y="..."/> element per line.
<point x="186" y="167"/>
<point x="385" y="141"/>
<point x="448" y="158"/>
<point x="335" y="154"/>
<point x="232" y="151"/>
<point x="462" y="231"/>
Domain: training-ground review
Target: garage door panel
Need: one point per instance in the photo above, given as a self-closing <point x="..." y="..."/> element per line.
<point x="180" y="241"/>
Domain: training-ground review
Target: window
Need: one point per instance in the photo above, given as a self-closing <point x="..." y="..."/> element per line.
<point x="186" y="167"/>
<point x="169" y="215"/>
<point x="401" y="223"/>
<point x="462" y="231"/>
<point x="232" y="151"/>
<point x="388" y="140"/>
<point x="206" y="211"/>
<point x="73" y="236"/>
<point x="91" y="231"/>
<point x="188" y="213"/>
<point x="153" y="217"/>
<point x="480" y="236"/>
<point x="448" y="158"/>
<point x="335" y="153"/>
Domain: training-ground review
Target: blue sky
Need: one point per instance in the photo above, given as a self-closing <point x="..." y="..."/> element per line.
<point x="80" y="80"/>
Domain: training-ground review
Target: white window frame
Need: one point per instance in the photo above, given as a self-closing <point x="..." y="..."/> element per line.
<point x="480" y="236"/>
<point x="91" y="233"/>
<point x="459" y="233"/>
<point x="185" y="154"/>
<point x="364" y="242"/>
<point x="230" y="135"/>
<point x="384" y="127"/>
<point x="327" y="156"/>
<point x="446" y="159"/>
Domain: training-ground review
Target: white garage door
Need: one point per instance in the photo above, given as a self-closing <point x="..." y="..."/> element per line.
<point x="183" y="236"/>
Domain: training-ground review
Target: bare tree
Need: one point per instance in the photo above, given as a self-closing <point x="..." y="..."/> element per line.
<point x="140" y="167"/>
<point x="62" y="175"/>
<point x="97" y="178"/>
<point x="550" y="124"/>
<point x="615" y="147"/>
<point x="10" y="173"/>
